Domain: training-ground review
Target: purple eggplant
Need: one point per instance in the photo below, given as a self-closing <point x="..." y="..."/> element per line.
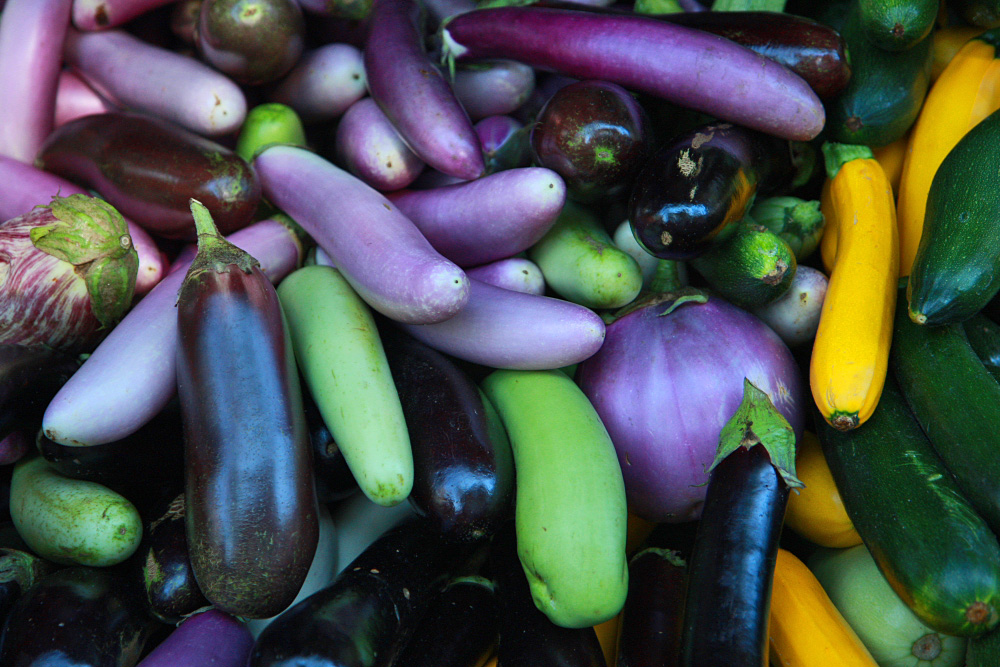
<point x="334" y="480"/>
<point x="505" y="143"/>
<point x="101" y="14"/>
<point x="154" y="80"/>
<point x="439" y="10"/>
<point x="75" y="99"/>
<point x="19" y="571"/>
<point x="514" y="273"/>
<point x="493" y="88"/>
<point x="487" y="219"/>
<point x="413" y="93"/>
<point x="386" y="259"/>
<point x="131" y="376"/>
<point x="112" y="154"/>
<point x="324" y="83"/>
<point x="651" y="619"/>
<point x="68" y="275"/>
<point x="340" y="9"/>
<point x="698" y="349"/>
<point x="501" y="328"/>
<point x="29" y="378"/>
<point x="209" y="638"/>
<point x="14" y="446"/>
<point x="31" y="38"/>
<point x="682" y="65"/>
<point x="371" y="149"/>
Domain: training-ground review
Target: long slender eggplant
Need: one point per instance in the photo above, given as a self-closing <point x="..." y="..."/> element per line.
<point x="112" y="154"/>
<point x="75" y="99"/>
<point x="415" y="95"/>
<point x="29" y="378"/>
<point x="324" y="83"/>
<point x="493" y="88"/>
<point x="250" y="497"/>
<point x="103" y="14"/>
<point x="371" y="148"/>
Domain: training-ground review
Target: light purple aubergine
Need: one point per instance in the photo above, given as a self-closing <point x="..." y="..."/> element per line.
<point x="502" y="328"/>
<point x="132" y="374"/>
<point x="664" y="383"/>
<point x="102" y="14"/>
<point x="489" y="218"/>
<point x="414" y="94"/>
<point x="75" y="99"/>
<point x="379" y="251"/>
<point x="14" y="446"/>
<point x="31" y="38"/>
<point x="493" y="88"/>
<point x="371" y="149"/>
<point x="324" y="83"/>
<point x="514" y="273"/>
<point x="210" y="638"/>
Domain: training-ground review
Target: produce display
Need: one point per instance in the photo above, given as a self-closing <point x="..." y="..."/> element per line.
<point x="499" y="333"/>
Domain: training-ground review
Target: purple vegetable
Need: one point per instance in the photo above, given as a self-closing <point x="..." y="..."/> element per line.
<point x="501" y="328"/>
<point x="147" y="78"/>
<point x="682" y="65"/>
<point x="514" y="273"/>
<point x="664" y="383"/>
<point x="98" y="14"/>
<point x="493" y="88"/>
<point x="75" y="99"/>
<point x="371" y="149"/>
<point x="487" y="219"/>
<point x="495" y="131"/>
<point x="208" y="639"/>
<point x="13" y="447"/>
<point x="131" y="376"/>
<point x="324" y="83"/>
<point x="379" y="250"/>
<point x="414" y="95"/>
<point x="505" y="143"/>
<point x="31" y="37"/>
<point x="337" y="9"/>
<point x="439" y="10"/>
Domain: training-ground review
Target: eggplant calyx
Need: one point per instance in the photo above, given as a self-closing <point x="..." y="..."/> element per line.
<point x="671" y="300"/>
<point x="758" y="422"/>
<point x="215" y="253"/>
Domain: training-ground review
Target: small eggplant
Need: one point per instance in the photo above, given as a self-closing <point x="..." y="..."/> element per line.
<point x="67" y="274"/>
<point x="29" y="378"/>
<point x="251" y="521"/>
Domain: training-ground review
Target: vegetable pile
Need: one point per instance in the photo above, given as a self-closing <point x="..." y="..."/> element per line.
<point x="391" y="333"/>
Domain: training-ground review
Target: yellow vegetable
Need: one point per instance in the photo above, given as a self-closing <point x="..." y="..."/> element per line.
<point x="948" y="41"/>
<point x="850" y="354"/>
<point x="891" y="158"/>
<point x="967" y="91"/>
<point x="805" y="629"/>
<point x="816" y="512"/>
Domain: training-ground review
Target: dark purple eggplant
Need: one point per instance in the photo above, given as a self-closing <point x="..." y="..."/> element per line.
<point x="148" y="168"/>
<point x="463" y="465"/>
<point x="366" y="616"/>
<point x="334" y="480"/>
<point x="19" y="571"/>
<point x="689" y="193"/>
<point x="650" y="626"/>
<point x="459" y="630"/>
<point x="29" y="378"/>
<point x="251" y="523"/>
<point x="728" y="587"/>
<point x="79" y="616"/>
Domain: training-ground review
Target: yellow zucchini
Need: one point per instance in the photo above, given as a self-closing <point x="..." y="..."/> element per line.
<point x="967" y="91"/>
<point x="805" y="629"/>
<point x="850" y="354"/>
<point x="816" y="512"/>
<point x="891" y="158"/>
<point x="948" y="41"/>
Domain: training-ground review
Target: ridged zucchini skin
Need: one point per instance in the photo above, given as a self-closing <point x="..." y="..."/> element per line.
<point x="936" y="552"/>
<point x="957" y="267"/>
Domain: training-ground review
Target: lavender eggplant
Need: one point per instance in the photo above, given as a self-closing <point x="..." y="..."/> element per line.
<point x="68" y="274"/>
<point x="112" y="154"/>
<point x="207" y="639"/>
<point x="251" y="504"/>
<point x="514" y="273"/>
<point x="387" y="260"/>
<point x="371" y="149"/>
<point x="150" y="79"/>
<point x="484" y="220"/>
<point x="75" y="99"/>
<point x="413" y="93"/>
<point x="29" y="378"/>
<point x="31" y="37"/>
<point x="505" y="329"/>
<point x="493" y="88"/>
<point x="682" y="65"/>
<point x="131" y="376"/>
<point x="102" y="14"/>
<point x="505" y="143"/>
<point x="324" y="83"/>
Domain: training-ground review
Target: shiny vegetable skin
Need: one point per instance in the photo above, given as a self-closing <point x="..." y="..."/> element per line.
<point x="29" y="378"/>
<point x="984" y="337"/>
<point x="817" y="512"/>
<point x="654" y="609"/>
<point x="251" y="506"/>
<point x="112" y="154"/>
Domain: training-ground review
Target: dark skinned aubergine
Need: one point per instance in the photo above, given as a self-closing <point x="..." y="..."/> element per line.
<point x="29" y="377"/>
<point x="650" y="626"/>
<point x="251" y="522"/>
<point x="334" y="480"/>
<point x="19" y="571"/>
<point x="690" y="193"/>
<point x="462" y="462"/>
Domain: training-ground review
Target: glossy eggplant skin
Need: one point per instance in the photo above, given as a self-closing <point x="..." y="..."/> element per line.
<point x="79" y="616"/>
<point x="463" y="465"/>
<point x="251" y="523"/>
<point x="365" y="617"/>
<point x="334" y="480"/>
<point x="29" y="377"/>
<point x="650" y="627"/>
<point x="149" y="169"/>
<point x="689" y="194"/>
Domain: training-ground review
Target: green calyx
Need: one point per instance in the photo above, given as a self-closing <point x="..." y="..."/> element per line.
<point x="215" y="253"/>
<point x="758" y="422"/>
<point x="837" y="155"/>
<point x="91" y="234"/>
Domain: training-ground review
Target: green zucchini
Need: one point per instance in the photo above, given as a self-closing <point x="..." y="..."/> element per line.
<point x="984" y="337"/>
<point x="897" y="25"/>
<point x="983" y="651"/>
<point x="956" y="271"/>
<point x="935" y="551"/>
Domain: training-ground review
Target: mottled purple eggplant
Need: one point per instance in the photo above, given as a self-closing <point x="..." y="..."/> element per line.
<point x="113" y="153"/>
<point x="29" y="378"/>
<point x="251" y="523"/>
<point x="463" y="466"/>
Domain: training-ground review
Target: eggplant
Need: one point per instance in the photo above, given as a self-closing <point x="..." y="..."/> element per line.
<point x="29" y="378"/>
<point x="650" y="633"/>
<point x="505" y="143"/>
<point x="103" y="14"/>
<point x="371" y="148"/>
<point x="514" y="273"/>
<point x="75" y="99"/>
<point x="334" y="480"/>
<point x="112" y="154"/>
<point x="493" y="88"/>
<point x="13" y="447"/>
<point x="690" y="193"/>
<point x="210" y="638"/>
<point x="463" y="465"/>
<point x="19" y="571"/>
<point x="251" y="521"/>
<point x="324" y="83"/>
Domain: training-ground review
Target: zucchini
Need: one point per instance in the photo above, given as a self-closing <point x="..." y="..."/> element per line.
<point x="935" y="551"/>
<point x="983" y="651"/>
<point x="984" y="337"/>
<point x="897" y="25"/>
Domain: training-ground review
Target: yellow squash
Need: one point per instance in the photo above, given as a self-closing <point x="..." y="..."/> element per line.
<point x="805" y="629"/>
<point x="967" y="91"/>
<point x="891" y="158"/>
<point x="948" y="41"/>
<point x="850" y="354"/>
<point x="816" y="512"/>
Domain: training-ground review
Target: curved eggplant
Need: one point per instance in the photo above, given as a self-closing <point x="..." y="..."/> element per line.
<point x="29" y="378"/>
